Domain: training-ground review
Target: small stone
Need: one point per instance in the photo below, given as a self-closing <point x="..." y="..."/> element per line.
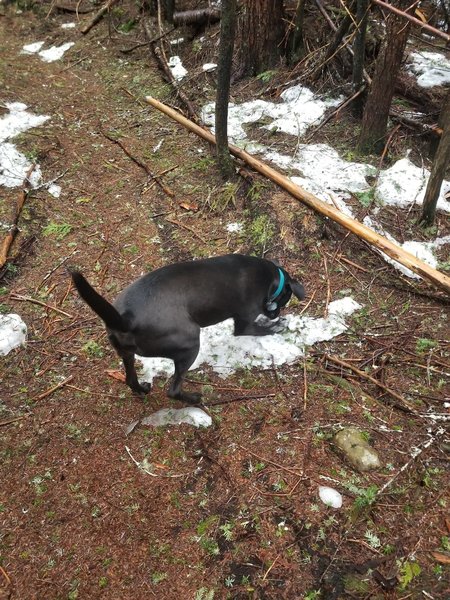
<point x="356" y="449"/>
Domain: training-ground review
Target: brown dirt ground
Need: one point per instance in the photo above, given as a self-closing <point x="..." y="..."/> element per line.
<point x="232" y="510"/>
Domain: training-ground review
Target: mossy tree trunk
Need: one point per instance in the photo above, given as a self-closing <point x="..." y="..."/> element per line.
<point x="226" y="45"/>
<point x="378" y="104"/>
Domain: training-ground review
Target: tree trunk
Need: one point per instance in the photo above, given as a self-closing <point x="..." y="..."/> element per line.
<point x="376" y="111"/>
<point x="296" y="45"/>
<point x="440" y="164"/>
<point x="444" y="120"/>
<point x="260" y="34"/>
<point x="227" y="32"/>
<point x="359" y="50"/>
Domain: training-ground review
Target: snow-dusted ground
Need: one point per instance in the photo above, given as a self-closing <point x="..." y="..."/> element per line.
<point x="430" y="68"/>
<point x="51" y="54"/>
<point x="320" y="170"/>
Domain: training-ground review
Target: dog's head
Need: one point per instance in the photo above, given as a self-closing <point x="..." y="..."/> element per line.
<point x="281" y="292"/>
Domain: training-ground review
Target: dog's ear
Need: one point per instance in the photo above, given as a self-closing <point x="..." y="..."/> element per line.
<point x="275" y="262"/>
<point x="297" y="289"/>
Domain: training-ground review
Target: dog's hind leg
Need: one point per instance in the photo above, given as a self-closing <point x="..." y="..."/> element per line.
<point x="131" y="375"/>
<point x="183" y="361"/>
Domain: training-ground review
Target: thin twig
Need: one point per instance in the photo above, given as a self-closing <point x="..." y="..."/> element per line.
<point x="52" y="389"/>
<point x="402" y="404"/>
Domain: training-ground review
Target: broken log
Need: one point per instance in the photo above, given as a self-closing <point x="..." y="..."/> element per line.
<point x="381" y="243"/>
<point x="98" y="16"/>
<point x="203" y="16"/>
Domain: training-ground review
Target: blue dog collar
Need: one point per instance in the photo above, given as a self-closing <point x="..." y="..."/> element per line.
<point x="279" y="288"/>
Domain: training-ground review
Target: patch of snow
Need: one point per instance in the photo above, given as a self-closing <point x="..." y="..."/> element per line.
<point x="54" y="190"/>
<point x="158" y="146"/>
<point x="422" y="250"/>
<point x="235" y="227"/>
<point x="322" y="165"/>
<point x="55" y="52"/>
<point x="13" y="164"/>
<point x="51" y="54"/>
<point x="71" y="25"/>
<point x="330" y="496"/>
<point x="175" y="416"/>
<point x="18" y="120"/>
<point x="299" y="109"/>
<point x="226" y="353"/>
<point x="430" y="68"/>
<point x="32" y="48"/>
<point x="177" y="41"/>
<point x="176" y="67"/>
<point x="404" y="184"/>
<point x="208" y="67"/>
<point x="13" y="333"/>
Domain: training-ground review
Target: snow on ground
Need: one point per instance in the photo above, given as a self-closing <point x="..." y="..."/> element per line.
<point x="225" y="353"/>
<point x="321" y="171"/>
<point x="430" y="68"/>
<point x="404" y="184"/>
<point x="191" y="415"/>
<point x="13" y="333"/>
<point x="297" y="111"/>
<point x="13" y="164"/>
<point x="51" y="54"/>
<point x="176" y="67"/>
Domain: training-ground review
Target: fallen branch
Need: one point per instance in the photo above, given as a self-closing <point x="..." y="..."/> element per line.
<point x="401" y="403"/>
<point x="417" y="22"/>
<point x="405" y="258"/>
<point x="21" y="298"/>
<point x="75" y="8"/>
<point x="142" y="165"/>
<point x="415" y="453"/>
<point x="52" y="389"/>
<point x="97" y="17"/>
<point x="10" y="236"/>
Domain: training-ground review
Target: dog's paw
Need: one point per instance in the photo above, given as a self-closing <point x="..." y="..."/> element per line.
<point x="278" y="326"/>
<point x="190" y="397"/>
<point x="142" y="388"/>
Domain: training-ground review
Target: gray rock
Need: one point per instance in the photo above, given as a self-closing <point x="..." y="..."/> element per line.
<point x="355" y="448"/>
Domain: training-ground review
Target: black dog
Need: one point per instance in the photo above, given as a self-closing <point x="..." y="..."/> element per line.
<point x="161" y="313"/>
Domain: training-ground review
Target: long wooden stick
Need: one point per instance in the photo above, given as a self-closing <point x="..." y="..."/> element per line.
<point x="405" y="258"/>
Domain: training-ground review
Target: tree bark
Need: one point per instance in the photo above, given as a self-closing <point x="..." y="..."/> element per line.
<point x="359" y="50"/>
<point x="226" y="45"/>
<point x="260" y="32"/>
<point x="440" y="164"/>
<point x="296" y="45"/>
<point x="376" y="111"/>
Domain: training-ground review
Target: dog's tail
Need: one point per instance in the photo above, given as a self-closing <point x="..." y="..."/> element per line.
<point x="101" y="306"/>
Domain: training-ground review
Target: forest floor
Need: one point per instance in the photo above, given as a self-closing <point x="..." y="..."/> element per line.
<point x="230" y="511"/>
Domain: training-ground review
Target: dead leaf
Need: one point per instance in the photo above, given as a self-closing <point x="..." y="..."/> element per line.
<point x="116" y="375"/>
<point x="421" y="16"/>
<point x="447" y="523"/>
<point x="441" y="557"/>
<point x="189" y="206"/>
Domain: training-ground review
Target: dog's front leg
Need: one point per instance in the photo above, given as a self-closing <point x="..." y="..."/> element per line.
<point x="131" y="375"/>
<point x="260" y="326"/>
